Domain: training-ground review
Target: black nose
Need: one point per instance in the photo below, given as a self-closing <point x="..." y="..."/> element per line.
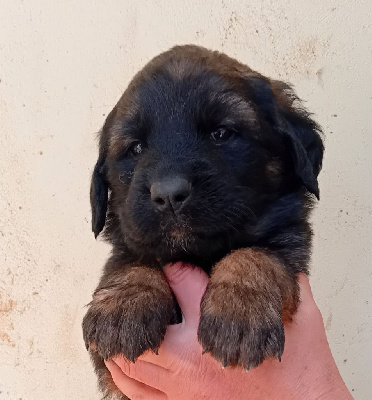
<point x="170" y="193"/>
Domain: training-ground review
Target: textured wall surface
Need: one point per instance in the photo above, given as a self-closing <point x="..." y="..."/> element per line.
<point x="63" y="66"/>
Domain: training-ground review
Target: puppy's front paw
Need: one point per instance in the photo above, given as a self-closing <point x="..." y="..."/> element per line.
<point x="237" y="332"/>
<point x="128" y="320"/>
<point x="241" y="327"/>
<point x="249" y="295"/>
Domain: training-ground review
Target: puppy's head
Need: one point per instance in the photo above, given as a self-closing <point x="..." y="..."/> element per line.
<point x="195" y="153"/>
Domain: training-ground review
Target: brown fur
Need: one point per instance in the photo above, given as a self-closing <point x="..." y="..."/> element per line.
<point x="249" y="289"/>
<point x="123" y="302"/>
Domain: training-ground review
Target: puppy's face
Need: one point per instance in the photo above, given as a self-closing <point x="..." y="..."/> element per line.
<point x="195" y="153"/>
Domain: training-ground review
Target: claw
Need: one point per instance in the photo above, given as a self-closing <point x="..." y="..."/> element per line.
<point x="248" y="367"/>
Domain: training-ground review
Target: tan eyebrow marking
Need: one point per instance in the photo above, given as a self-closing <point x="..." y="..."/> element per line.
<point x="242" y="109"/>
<point x="246" y="112"/>
<point x="118" y="141"/>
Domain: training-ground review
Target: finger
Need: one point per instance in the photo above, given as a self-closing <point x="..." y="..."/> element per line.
<point x="145" y="372"/>
<point x="131" y="387"/>
<point x="307" y="309"/>
<point x="176" y="338"/>
<point x="188" y="284"/>
<point x="306" y="294"/>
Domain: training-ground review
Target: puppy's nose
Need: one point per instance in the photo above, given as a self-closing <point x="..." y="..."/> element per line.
<point x="170" y="193"/>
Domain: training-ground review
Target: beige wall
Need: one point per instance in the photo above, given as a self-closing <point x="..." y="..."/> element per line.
<point x="63" y="65"/>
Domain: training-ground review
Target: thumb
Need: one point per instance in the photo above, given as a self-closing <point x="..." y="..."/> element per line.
<point x="188" y="284"/>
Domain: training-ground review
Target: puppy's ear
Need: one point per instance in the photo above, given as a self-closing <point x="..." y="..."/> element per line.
<point x="99" y="185"/>
<point x="282" y="109"/>
<point x="99" y="196"/>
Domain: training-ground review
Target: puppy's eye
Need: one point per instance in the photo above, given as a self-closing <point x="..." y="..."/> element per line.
<point x="221" y="135"/>
<point x="136" y="148"/>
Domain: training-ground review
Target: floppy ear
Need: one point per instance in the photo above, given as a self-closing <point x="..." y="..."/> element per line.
<point x="282" y="109"/>
<point x="99" y="185"/>
<point x="99" y="196"/>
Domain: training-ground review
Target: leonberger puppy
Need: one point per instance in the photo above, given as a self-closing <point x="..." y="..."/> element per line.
<point x="207" y="162"/>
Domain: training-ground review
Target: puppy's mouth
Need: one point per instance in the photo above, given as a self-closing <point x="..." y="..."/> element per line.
<point x="178" y="234"/>
<point x="176" y="230"/>
<point x="184" y="236"/>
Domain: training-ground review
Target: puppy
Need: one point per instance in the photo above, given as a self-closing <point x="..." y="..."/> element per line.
<point x="207" y="162"/>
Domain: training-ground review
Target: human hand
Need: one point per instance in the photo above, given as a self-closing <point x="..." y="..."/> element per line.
<point x="181" y="372"/>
